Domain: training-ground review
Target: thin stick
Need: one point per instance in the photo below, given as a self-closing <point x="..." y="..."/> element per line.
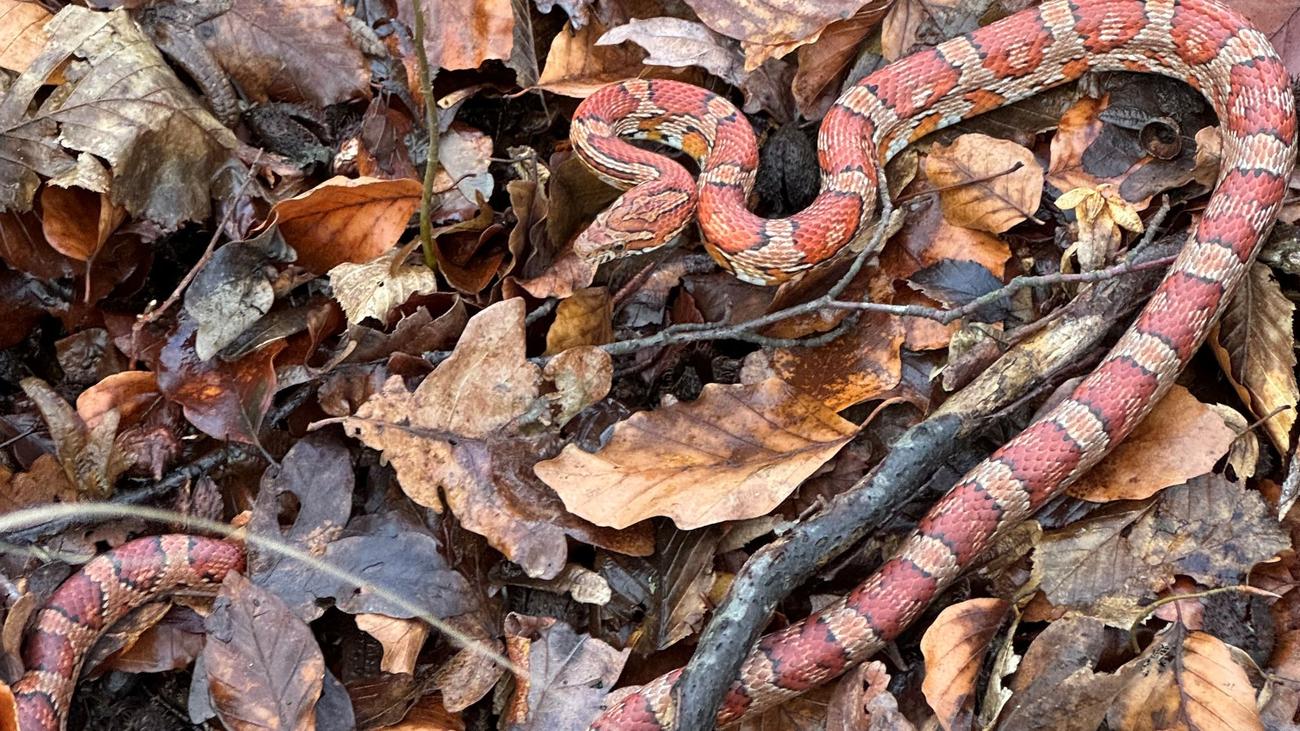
<point x="431" y="124"/>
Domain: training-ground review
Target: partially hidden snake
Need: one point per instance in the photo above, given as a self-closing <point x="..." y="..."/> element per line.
<point x="1204" y="43"/>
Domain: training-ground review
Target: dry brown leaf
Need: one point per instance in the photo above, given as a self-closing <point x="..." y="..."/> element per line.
<point x="586" y="318"/>
<point x="130" y="393"/>
<point x="263" y="667"/>
<point x="677" y="42"/>
<point x="299" y="51"/>
<point x="454" y="437"/>
<point x="375" y="288"/>
<point x="734" y="453"/>
<point x="577" y="66"/>
<point x="1186" y="682"/>
<point x="127" y="108"/>
<point x="1108" y="565"/>
<point x="855" y="367"/>
<point x="77" y="222"/>
<point x="771" y="29"/>
<point x="1180" y="439"/>
<point x="985" y="183"/>
<point x="401" y="639"/>
<point x="428" y="714"/>
<point x="823" y="64"/>
<point x="462" y="34"/>
<point x="346" y="220"/>
<point x="22" y="34"/>
<point x="954" y="648"/>
<point x="913" y="22"/>
<point x="1256" y="348"/>
<point x="1055" y="686"/>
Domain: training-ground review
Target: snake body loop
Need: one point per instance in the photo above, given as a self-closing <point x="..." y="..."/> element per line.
<point x="1202" y="42"/>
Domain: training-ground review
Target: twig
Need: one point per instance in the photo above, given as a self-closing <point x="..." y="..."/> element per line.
<point x="431" y="123"/>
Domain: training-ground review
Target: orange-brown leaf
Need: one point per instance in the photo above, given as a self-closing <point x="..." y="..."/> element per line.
<point x="583" y="319"/>
<point x="985" y="183"/>
<point x="734" y="453"/>
<point x="22" y="33"/>
<point x="1180" y="439"/>
<point x="954" y="648"/>
<point x="1256" y="347"/>
<point x="1201" y="688"/>
<point x="346" y="220"/>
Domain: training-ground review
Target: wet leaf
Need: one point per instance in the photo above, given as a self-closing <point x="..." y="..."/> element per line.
<point x="347" y="220"/>
<point x="954" y="647"/>
<point x="734" y="453"/>
<point x="224" y="400"/>
<point x="1256" y="347"/>
<point x="263" y="667"/>
<point x="1180" y="439"/>
<point x="230" y="293"/>
<point x="985" y="183"/>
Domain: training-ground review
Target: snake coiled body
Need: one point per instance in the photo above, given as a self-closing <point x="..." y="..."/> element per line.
<point x="92" y="600"/>
<point x="1204" y="43"/>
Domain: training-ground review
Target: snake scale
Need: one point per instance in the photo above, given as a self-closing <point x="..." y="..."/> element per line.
<point x="1202" y="42"/>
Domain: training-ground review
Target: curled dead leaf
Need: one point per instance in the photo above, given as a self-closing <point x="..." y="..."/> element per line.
<point x="954" y="648"/>
<point x="346" y="220"/>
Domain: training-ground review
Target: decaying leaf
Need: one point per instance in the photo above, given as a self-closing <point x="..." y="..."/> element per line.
<point x="299" y="52"/>
<point x="346" y="220"/>
<point x="452" y="438"/>
<point x="230" y="293"/>
<point x="1186" y="680"/>
<point x="985" y="183"/>
<point x="263" y="666"/>
<point x="734" y="453"/>
<point x="1256" y="347"/>
<point x="1106" y="566"/>
<point x="1180" y="439"/>
<point x="954" y="647"/>
<point x="1055" y="686"/>
<point x="126" y="107"/>
<point x="88" y="453"/>
<point x="1102" y="212"/>
<point x="677" y="42"/>
<point x="375" y="288"/>
<point x="567" y="673"/>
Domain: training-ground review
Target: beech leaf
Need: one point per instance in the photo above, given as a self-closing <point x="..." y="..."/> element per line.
<point x="734" y="453"/>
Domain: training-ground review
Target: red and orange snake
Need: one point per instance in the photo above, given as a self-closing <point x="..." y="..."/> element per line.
<point x="1201" y="42"/>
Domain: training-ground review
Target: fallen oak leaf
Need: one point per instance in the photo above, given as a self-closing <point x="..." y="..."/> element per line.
<point x="455" y="438"/>
<point x="734" y="453"/>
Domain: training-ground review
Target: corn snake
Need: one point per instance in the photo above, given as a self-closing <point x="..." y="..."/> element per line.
<point x="1199" y="41"/>
<point x="1202" y="42"/>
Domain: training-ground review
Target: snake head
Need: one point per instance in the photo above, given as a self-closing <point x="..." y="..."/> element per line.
<point x="647" y="217"/>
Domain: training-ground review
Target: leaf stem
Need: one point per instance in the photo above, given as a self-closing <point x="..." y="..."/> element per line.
<point x="431" y="124"/>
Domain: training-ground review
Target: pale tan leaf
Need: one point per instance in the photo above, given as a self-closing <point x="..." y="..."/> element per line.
<point x="1256" y="348"/>
<point x="985" y="183"/>
<point x="734" y="453"/>
<point x="375" y="288"/>
<point x="577" y="66"/>
<point x="954" y="647"/>
<point x="1180" y="439"/>
<point x="401" y="639"/>
<point x="346" y="220"/>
